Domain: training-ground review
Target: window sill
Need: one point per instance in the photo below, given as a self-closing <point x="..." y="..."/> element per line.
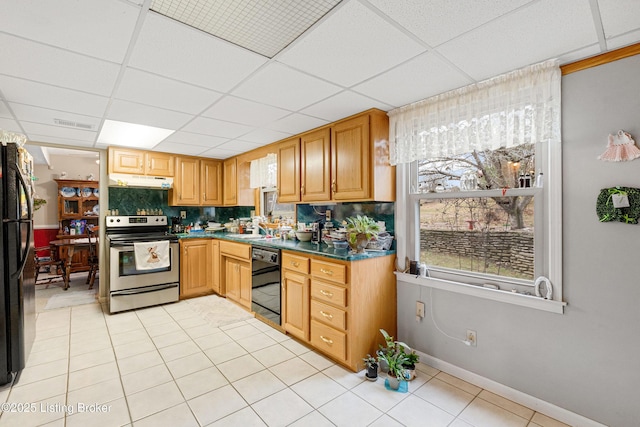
<point x="486" y="293"/>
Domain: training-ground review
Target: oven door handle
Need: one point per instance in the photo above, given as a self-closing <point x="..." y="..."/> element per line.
<point x="144" y="291"/>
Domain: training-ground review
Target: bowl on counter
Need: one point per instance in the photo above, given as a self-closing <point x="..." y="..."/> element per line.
<point x="304" y="236"/>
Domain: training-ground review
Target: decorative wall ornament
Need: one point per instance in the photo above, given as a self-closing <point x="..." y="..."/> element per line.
<point x="619" y="204"/>
<point x="621" y="147"/>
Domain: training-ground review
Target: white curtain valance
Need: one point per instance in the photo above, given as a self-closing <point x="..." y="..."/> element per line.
<point x="264" y="171"/>
<point x="520" y="107"/>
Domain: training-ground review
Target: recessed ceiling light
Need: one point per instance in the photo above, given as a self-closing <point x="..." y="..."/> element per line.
<point x="131" y="135"/>
<point x="264" y="27"/>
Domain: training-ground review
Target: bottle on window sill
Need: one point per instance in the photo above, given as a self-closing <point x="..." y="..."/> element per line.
<point x="540" y="180"/>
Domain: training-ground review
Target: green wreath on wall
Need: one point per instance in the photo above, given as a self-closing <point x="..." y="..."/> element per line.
<point x="607" y="212"/>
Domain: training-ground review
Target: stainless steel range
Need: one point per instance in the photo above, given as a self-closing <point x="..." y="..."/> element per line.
<point x="130" y="285"/>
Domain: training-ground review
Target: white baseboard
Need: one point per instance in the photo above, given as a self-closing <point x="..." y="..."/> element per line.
<point x="524" y="399"/>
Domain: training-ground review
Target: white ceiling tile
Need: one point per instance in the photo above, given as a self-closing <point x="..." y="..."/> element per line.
<point x="97" y="28"/>
<point x="130" y="112"/>
<point x="238" y="146"/>
<point x="46" y="116"/>
<point x="422" y="77"/>
<point x="218" y="128"/>
<point x="150" y="89"/>
<point x="47" y="96"/>
<point x="189" y="138"/>
<point x="175" y="50"/>
<point x="4" y="110"/>
<point x="9" y="124"/>
<point x="342" y="105"/>
<point x="619" y="17"/>
<point x="34" y="61"/>
<point x="175" y="147"/>
<point x="218" y="153"/>
<point x="239" y="110"/>
<point x="527" y="36"/>
<point x="283" y="87"/>
<point x="623" y="40"/>
<point x="296" y="123"/>
<point x="49" y="139"/>
<point x="436" y="21"/>
<point x="352" y="45"/>
<point x="60" y="132"/>
<point x="579" y="54"/>
<point x="264" y="136"/>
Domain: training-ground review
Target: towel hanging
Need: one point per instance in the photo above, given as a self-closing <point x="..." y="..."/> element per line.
<point x="151" y="255"/>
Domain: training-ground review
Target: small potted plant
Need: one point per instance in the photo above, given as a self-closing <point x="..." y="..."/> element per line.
<point x="372" y="367"/>
<point x="360" y="230"/>
<point x="410" y="363"/>
<point x="397" y="372"/>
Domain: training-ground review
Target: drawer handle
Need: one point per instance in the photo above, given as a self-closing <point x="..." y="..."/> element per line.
<point x="295" y="264"/>
<point x="326" y="293"/>
<point x="327" y="340"/>
<point x="327" y="272"/>
<point x="327" y="315"/>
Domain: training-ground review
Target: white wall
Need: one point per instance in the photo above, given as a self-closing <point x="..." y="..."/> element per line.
<point x="588" y="360"/>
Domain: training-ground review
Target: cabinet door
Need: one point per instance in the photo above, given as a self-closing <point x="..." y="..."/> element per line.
<point x="160" y="164"/>
<point x="315" y="166"/>
<point x="123" y="160"/>
<point x="211" y="182"/>
<point x="296" y="305"/>
<point x="195" y="267"/>
<point x="245" y="284"/>
<point x="232" y="278"/>
<point x="289" y="171"/>
<point x="351" y="159"/>
<point x="186" y="189"/>
<point x="230" y="193"/>
<point x="215" y="262"/>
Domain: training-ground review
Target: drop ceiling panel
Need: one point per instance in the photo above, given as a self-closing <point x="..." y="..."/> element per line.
<point x="130" y="112"/>
<point x="175" y="147"/>
<point x="47" y="96"/>
<point x="238" y="146"/>
<point x="175" y="50"/>
<point x="49" y="117"/>
<point x="34" y="61"/>
<point x="58" y="132"/>
<point x="150" y="89"/>
<point x="422" y="77"/>
<point x="351" y="45"/>
<point x="297" y="123"/>
<point x="218" y="153"/>
<point x="97" y="28"/>
<point x="623" y="40"/>
<point x="436" y="21"/>
<point x="4" y="110"/>
<point x="217" y="128"/>
<point x="9" y="124"/>
<point x="49" y="139"/>
<point x="342" y="105"/>
<point x="264" y="136"/>
<point x="619" y="17"/>
<point x="283" y="87"/>
<point x="527" y="36"/>
<point x="239" y="110"/>
<point x="189" y="138"/>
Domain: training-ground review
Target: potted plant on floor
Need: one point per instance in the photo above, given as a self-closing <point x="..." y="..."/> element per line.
<point x="360" y="230"/>
<point x="410" y="364"/>
<point x="397" y="372"/>
<point x="371" y="364"/>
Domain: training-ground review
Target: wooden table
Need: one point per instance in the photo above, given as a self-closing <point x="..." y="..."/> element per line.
<point x="71" y="245"/>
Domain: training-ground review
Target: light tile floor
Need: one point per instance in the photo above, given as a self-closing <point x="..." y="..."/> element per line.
<point x="165" y="366"/>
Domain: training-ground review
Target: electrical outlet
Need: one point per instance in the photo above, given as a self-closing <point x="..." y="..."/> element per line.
<point x="183" y="214"/>
<point x="328" y="215"/>
<point x="419" y="309"/>
<point x="472" y="338"/>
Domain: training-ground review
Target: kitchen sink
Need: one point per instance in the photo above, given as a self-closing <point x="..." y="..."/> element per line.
<point x="246" y="236"/>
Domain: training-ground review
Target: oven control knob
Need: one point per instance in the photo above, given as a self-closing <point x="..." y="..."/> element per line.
<point x="273" y="257"/>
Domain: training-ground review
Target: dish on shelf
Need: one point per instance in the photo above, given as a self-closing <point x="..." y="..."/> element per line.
<point x="96" y="209"/>
<point x="95" y="192"/>
<point x="87" y="192"/>
<point x="68" y="191"/>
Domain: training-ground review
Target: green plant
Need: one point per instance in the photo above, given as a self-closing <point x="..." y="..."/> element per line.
<point x="370" y="361"/>
<point x="396" y="362"/>
<point x="38" y="203"/>
<point x="412" y="359"/>
<point x="361" y="225"/>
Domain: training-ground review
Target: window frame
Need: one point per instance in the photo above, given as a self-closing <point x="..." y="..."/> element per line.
<point x="547" y="229"/>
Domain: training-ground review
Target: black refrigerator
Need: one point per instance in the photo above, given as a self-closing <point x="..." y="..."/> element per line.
<point x="17" y="295"/>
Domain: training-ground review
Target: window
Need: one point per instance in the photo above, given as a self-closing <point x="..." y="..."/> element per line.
<point x="479" y="186"/>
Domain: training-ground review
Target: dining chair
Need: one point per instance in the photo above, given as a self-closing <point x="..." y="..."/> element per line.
<point x="48" y="261"/>
<point x="93" y="259"/>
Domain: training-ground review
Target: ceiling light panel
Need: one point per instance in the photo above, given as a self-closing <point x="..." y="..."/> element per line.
<point x="262" y="27"/>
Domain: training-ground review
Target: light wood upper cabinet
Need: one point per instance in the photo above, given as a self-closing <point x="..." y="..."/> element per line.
<point x="211" y="182"/>
<point x="138" y="162"/>
<point x="351" y="159"/>
<point x="186" y="185"/>
<point x="196" y="269"/>
<point x="315" y="149"/>
<point x="289" y="171"/>
<point x="230" y="182"/>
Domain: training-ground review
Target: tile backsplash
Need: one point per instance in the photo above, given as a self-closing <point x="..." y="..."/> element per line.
<point x="380" y="211"/>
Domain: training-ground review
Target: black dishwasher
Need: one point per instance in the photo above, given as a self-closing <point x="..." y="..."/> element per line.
<point x="265" y="283"/>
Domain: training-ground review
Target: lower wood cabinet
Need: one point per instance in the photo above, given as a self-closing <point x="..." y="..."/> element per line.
<point x="236" y="273"/>
<point x="196" y="268"/>
<point x="338" y="307"/>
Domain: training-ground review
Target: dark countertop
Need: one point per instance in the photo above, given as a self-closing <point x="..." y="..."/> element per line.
<point x="292" y="245"/>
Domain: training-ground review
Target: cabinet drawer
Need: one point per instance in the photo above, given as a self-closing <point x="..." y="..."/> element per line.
<point x="327" y="292"/>
<point x="329" y="340"/>
<point x="330" y="315"/>
<point x="329" y="271"/>
<point x="295" y="263"/>
<point x="238" y="250"/>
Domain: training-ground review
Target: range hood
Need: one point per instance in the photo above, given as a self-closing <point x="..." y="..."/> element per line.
<point x="118" y="180"/>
